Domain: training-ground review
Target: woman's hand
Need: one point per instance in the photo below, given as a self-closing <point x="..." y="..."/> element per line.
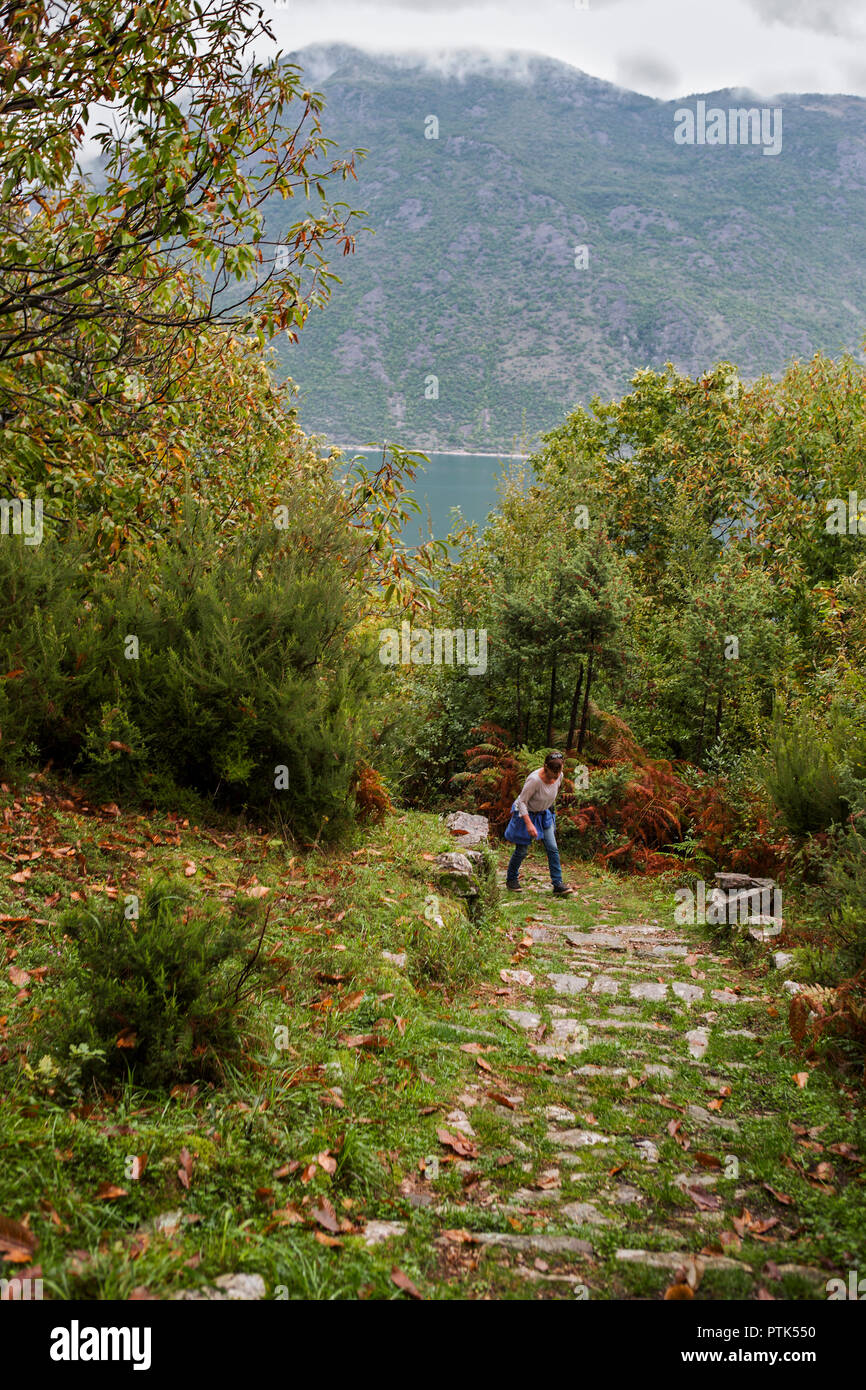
<point x="530" y="827"/>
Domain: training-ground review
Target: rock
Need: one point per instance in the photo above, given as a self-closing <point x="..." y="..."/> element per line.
<point x="764" y="929"/>
<point x="558" y="1112"/>
<point x="578" y="1138"/>
<point x="648" y="989"/>
<point x="541" y="1244"/>
<point x="517" y="977"/>
<point x="703" y="1117"/>
<point x="647" y="1150"/>
<point x="593" y="1069"/>
<point x="625" y="1195"/>
<point x="591" y="939"/>
<point x="585" y="1214"/>
<point x="698" y="1041"/>
<point x="375" y="1232"/>
<point x="524" y="1019"/>
<point x="569" y="984"/>
<point x="397" y="958"/>
<point x="673" y="1260"/>
<point x="658" y="1069"/>
<point x="688" y="993"/>
<point x="456" y="874"/>
<point x="473" y="830"/>
<point x="696" y="1179"/>
<point x="782" y="959"/>
<point x="458" y="1119"/>
<point x="605" y="985"/>
<point x="725" y="996"/>
<point x="791" y="986"/>
<point x="738" y="881"/>
<point x="234" y="1288"/>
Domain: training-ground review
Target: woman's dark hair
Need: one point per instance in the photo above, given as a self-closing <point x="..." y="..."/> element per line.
<point x="553" y="762"/>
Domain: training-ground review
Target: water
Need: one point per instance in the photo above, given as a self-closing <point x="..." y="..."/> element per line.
<point x="467" y="481"/>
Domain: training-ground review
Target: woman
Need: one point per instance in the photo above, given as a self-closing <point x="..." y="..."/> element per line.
<point x="532" y="816"/>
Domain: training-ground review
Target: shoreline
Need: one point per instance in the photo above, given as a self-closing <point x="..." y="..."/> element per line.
<point x="444" y="453"/>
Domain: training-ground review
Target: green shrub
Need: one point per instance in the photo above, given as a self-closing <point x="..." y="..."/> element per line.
<point x="225" y="667"/>
<point x="803" y="774"/>
<point x="449" y="954"/>
<point x="160" y="997"/>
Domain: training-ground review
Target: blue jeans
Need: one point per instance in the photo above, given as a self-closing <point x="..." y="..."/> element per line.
<point x="553" y="864"/>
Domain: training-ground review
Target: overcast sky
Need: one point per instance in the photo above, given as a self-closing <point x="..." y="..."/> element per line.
<point x="663" y="48"/>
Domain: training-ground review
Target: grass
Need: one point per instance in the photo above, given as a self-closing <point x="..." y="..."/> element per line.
<point x="329" y="1120"/>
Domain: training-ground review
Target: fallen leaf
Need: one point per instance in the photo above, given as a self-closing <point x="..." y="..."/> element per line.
<point x="108" y="1190"/>
<point x="678" y="1291"/>
<point x="405" y="1283"/>
<point x="801" y="1078"/>
<point x="325" y="1215"/>
<point x="779" y="1196"/>
<point x="707" y="1160"/>
<point x="189" y="868"/>
<point x="17" y="1243"/>
<point x="458" y="1142"/>
<point x="137" y="1167"/>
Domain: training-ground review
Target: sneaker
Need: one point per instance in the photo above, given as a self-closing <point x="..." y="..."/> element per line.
<point x="514" y="887"/>
<point x="563" y="891"/>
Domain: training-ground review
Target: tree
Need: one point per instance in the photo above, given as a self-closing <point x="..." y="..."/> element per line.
<point x="107" y="280"/>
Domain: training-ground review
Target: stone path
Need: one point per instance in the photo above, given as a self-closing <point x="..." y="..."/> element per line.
<point x="615" y="1020"/>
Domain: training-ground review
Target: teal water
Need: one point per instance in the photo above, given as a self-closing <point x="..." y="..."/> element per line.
<point x="467" y="481"/>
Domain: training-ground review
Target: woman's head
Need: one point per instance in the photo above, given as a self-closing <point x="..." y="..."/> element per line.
<point x="553" y="764"/>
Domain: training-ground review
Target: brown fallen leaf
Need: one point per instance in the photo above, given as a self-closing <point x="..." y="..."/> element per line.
<point x="325" y="1215"/>
<point x="19" y="976"/>
<point x="106" y="1191"/>
<point x="483" y="1065"/>
<point x="458" y="1142"/>
<point x="801" y="1078"/>
<point x="678" y="1291"/>
<point x="371" y="1040"/>
<point x="779" y="1196"/>
<point x="327" y="1162"/>
<point x="137" y="1167"/>
<point x="707" y="1160"/>
<point x="184" y="1172"/>
<point x="17" y="1243"/>
<point x="704" y="1201"/>
<point x="502" y="1099"/>
<point x="325" y="1239"/>
<point x="405" y="1283"/>
<point x="351" y="1001"/>
<point x="189" y="868"/>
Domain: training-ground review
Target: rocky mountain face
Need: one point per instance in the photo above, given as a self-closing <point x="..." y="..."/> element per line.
<point x="540" y="235"/>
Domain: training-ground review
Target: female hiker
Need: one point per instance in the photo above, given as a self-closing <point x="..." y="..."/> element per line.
<point x="532" y="816"/>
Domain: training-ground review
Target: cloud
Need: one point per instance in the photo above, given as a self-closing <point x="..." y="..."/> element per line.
<point x="841" y="18"/>
<point x="646" y="72"/>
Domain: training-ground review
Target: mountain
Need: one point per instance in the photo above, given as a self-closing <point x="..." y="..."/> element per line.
<point x="696" y="253"/>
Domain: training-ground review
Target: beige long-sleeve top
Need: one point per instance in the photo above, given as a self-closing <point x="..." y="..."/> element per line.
<point x="536" y="795"/>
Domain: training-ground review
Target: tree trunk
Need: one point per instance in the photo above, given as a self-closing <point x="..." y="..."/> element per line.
<point x="519" y="711"/>
<point x="575" y="704"/>
<point x="551" y="703"/>
<point x="719" y="715"/>
<point x="584" y="716"/>
<point x="699" y="753"/>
